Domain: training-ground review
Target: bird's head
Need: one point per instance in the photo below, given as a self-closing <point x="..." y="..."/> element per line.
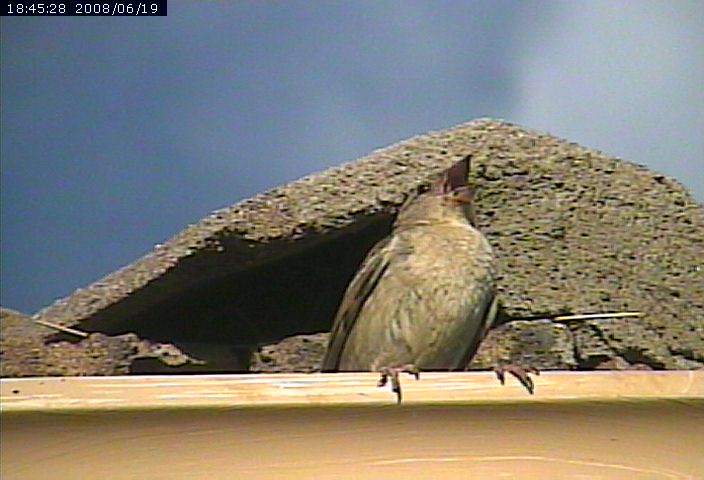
<point x="449" y="200"/>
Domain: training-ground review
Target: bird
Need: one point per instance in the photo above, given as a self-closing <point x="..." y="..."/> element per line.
<point x="425" y="296"/>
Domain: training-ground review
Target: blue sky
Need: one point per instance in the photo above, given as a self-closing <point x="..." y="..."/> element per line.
<point x="116" y="133"/>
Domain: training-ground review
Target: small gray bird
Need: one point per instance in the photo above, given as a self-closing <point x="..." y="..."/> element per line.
<point x="425" y="296"/>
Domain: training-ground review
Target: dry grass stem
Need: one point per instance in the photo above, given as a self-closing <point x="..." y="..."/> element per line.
<point x="588" y="316"/>
<point x="69" y="330"/>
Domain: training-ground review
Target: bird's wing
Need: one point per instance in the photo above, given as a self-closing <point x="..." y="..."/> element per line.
<point x="489" y="311"/>
<point x="360" y="288"/>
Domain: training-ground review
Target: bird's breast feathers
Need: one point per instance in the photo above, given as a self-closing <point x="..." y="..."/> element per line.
<point x="430" y="301"/>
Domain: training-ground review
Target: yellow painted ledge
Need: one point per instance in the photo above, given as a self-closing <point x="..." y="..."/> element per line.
<point x="144" y="392"/>
<point x="605" y="425"/>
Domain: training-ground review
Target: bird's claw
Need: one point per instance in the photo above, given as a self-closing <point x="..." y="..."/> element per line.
<point x="521" y="374"/>
<point x="391" y="373"/>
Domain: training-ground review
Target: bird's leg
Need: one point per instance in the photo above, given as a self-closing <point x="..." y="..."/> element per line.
<point x="521" y="373"/>
<point x="392" y="373"/>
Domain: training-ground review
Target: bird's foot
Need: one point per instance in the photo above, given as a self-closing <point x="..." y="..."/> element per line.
<point x="391" y="373"/>
<point x="521" y="373"/>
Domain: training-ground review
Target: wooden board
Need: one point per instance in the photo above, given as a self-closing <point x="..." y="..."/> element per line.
<point x="610" y="425"/>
